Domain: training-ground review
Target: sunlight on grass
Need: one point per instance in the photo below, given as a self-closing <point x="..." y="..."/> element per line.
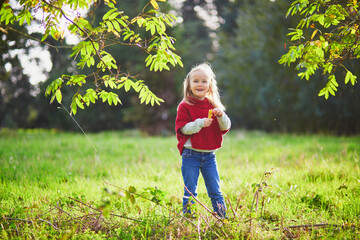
<point x="55" y="176"/>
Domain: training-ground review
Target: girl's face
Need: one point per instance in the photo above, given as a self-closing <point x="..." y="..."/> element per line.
<point x="199" y="84"/>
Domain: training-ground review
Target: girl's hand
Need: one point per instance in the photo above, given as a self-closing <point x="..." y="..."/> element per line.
<point x="207" y="122"/>
<point x="218" y="112"/>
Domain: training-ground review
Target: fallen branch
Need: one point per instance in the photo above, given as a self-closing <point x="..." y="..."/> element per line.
<point x="50" y="210"/>
<point x="206" y="208"/>
<point x="229" y="202"/>
<point x="170" y="220"/>
<point x="122" y="216"/>
<point x="62" y="210"/>
<point x="115" y="215"/>
<point x="30" y="221"/>
<point x="139" y="195"/>
<point x="84" y="204"/>
<point x="309" y="226"/>
<point x="18" y="219"/>
<point x="212" y="230"/>
<point x="48" y="222"/>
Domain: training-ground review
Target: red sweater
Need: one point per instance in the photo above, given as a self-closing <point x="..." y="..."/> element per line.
<point x="209" y="138"/>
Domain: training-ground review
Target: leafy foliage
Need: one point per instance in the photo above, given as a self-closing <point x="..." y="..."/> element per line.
<point x="260" y="187"/>
<point x="261" y="94"/>
<point x="115" y="28"/>
<point x="193" y="44"/>
<point x="326" y="38"/>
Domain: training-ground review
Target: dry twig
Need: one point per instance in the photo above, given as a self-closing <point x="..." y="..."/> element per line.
<point x="309" y="226"/>
<point x="206" y="208"/>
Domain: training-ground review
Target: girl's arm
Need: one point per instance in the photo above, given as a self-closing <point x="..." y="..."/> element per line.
<point x="224" y="122"/>
<point x="195" y="126"/>
<point x="223" y="119"/>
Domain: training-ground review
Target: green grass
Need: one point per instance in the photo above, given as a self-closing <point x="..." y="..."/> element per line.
<point x="56" y="185"/>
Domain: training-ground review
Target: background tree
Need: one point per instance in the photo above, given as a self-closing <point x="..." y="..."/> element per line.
<point x="326" y="39"/>
<point x="194" y="45"/>
<point x="115" y="28"/>
<point x="246" y="63"/>
<point x="154" y="120"/>
<point x="259" y="93"/>
<point x="100" y="116"/>
<point x="17" y="108"/>
<point x="193" y="34"/>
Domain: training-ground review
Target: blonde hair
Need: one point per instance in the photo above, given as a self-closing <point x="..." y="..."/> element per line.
<point x="212" y="95"/>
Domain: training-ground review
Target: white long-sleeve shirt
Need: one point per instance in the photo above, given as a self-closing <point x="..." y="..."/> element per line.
<point x="195" y="127"/>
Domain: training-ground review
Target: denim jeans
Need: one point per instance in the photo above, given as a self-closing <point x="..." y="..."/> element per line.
<point x="192" y="163"/>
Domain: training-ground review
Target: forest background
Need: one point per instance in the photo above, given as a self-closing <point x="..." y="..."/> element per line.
<point x="243" y="40"/>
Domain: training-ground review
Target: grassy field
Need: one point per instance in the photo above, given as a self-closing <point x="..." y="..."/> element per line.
<point x="122" y="185"/>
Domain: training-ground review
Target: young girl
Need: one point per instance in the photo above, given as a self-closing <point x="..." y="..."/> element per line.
<point x="199" y="133"/>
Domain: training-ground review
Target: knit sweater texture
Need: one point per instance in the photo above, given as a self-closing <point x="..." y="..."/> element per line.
<point x="208" y="138"/>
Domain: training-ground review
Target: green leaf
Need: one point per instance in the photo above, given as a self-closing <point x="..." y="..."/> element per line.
<point x="73" y="107"/>
<point x="78" y="102"/>
<point x="148" y="99"/>
<point x="152" y="101"/>
<point x="7" y="14"/>
<point x="109" y="25"/>
<point x="52" y="99"/>
<point x="116" y="25"/>
<point x="128" y="84"/>
<point x="152" y="28"/>
<point x="43" y="38"/>
<point x="106" y="15"/>
<point x="132" y="198"/>
<point x="122" y="23"/>
<point x="77" y="80"/>
<point x="115" y="98"/>
<point x="113" y="15"/>
<point x="322" y="92"/>
<point x="21" y="21"/>
<point x="92" y="95"/>
<point x="132" y="189"/>
<point x="331" y="91"/>
<point x="104" y="95"/>
<point x="109" y="99"/>
<point x="350" y="77"/>
<point x="58" y="96"/>
<point x="143" y="97"/>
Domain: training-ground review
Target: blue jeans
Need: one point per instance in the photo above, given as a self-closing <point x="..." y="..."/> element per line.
<point x="192" y="163"/>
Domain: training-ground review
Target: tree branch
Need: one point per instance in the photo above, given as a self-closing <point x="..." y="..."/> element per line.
<point x="82" y="30"/>
<point x="35" y="39"/>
